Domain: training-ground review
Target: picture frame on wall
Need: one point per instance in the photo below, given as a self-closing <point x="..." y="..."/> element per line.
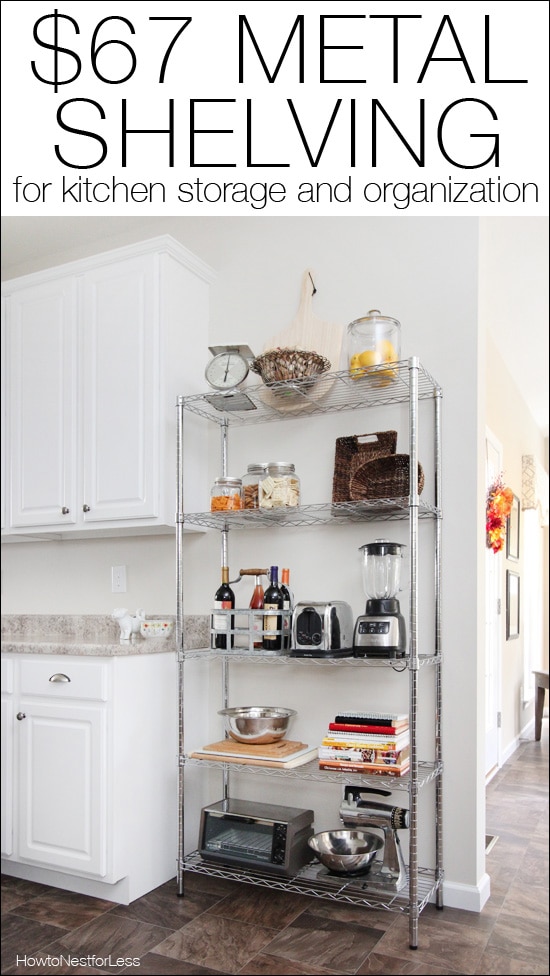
<point x="512" y="605"/>
<point x="512" y="531"/>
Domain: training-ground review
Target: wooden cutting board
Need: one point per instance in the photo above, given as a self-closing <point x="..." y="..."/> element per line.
<point x="282" y="749"/>
<point x="311" y="333"/>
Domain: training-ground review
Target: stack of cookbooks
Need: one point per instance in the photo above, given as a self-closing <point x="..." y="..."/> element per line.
<point x="374" y="743"/>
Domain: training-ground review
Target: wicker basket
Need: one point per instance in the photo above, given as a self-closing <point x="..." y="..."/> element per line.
<point x="384" y="477"/>
<point x="352" y="452"/>
<point x="278" y="365"/>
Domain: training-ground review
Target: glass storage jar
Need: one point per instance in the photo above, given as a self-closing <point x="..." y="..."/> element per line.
<point x="373" y="341"/>
<point x="251" y="480"/>
<point x="280" y="486"/>
<point x="226" y="495"/>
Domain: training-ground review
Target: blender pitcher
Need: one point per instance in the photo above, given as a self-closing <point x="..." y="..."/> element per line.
<point x="381" y="631"/>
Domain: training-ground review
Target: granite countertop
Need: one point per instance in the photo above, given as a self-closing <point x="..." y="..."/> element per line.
<point x="90" y="636"/>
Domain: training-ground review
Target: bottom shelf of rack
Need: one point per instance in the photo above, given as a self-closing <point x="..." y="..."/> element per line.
<point x="314" y="880"/>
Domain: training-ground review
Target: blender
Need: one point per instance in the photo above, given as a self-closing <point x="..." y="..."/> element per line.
<point x="380" y="631"/>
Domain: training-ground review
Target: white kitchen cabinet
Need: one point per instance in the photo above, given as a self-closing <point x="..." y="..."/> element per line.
<point x="96" y="353"/>
<point x="41" y="339"/>
<point x="92" y="802"/>
<point x="62" y="810"/>
<point x="62" y="760"/>
<point x="6" y="831"/>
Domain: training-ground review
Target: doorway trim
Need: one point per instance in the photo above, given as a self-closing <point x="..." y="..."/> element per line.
<point x="493" y="628"/>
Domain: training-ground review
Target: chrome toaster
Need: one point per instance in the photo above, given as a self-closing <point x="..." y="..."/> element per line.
<point x="322" y="630"/>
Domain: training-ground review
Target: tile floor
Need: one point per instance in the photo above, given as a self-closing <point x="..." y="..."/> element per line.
<point x="222" y="927"/>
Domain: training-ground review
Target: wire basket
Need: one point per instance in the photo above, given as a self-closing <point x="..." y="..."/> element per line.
<point x="279" y="365"/>
<point x="352" y="452"/>
<point x="384" y="477"/>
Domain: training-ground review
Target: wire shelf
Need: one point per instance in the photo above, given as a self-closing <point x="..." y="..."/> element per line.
<point x="427" y="772"/>
<point x="315" y="881"/>
<point x="328" y="393"/>
<point x="380" y="510"/>
<point x="244" y="656"/>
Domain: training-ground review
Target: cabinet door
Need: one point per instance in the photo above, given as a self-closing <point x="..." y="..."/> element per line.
<point x="6" y="837"/>
<point x="121" y="390"/>
<point x="63" y="786"/>
<point x="42" y="378"/>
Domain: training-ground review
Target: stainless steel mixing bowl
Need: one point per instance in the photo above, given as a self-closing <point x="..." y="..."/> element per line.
<point x="346" y="851"/>
<point x="257" y="724"/>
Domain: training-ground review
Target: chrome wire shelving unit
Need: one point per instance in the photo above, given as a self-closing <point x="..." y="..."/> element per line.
<point x="406" y="382"/>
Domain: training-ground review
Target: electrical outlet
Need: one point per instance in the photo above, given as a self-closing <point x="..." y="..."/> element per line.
<point x="118" y="579"/>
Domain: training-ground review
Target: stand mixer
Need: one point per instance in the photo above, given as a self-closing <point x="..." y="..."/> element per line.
<point x="381" y="631"/>
<point x="358" y="813"/>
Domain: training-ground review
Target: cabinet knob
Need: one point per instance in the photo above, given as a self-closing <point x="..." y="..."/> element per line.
<point x="85" y="508"/>
<point x="59" y="677"/>
<point x="65" y="510"/>
<point x="20" y="716"/>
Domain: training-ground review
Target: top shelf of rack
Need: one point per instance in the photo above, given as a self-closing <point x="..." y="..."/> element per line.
<point x="328" y="393"/>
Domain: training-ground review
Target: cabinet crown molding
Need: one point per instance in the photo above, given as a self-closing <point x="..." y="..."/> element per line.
<point x="163" y="244"/>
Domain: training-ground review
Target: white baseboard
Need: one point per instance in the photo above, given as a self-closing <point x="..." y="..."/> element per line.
<point x="470" y="898"/>
<point x="527" y="732"/>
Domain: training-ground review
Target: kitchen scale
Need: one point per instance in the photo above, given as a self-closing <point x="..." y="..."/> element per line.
<point x="225" y="372"/>
<point x="380" y="631"/>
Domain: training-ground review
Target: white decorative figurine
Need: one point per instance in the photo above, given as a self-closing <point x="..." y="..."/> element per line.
<point x="129" y="624"/>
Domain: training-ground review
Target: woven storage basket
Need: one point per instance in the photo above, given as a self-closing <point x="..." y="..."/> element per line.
<point x="385" y="477"/>
<point x="353" y="451"/>
<point x="289" y="364"/>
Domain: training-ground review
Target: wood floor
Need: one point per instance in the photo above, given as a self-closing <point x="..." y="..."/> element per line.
<point x="222" y="927"/>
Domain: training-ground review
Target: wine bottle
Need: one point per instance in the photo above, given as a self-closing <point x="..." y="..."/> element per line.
<point x="288" y="604"/>
<point x="257" y="603"/>
<point x="224" y="599"/>
<point x="273" y="600"/>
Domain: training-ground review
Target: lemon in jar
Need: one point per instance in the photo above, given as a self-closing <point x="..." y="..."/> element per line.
<point x="355" y="370"/>
<point x="361" y="362"/>
<point x="370" y="357"/>
<point x="387" y="354"/>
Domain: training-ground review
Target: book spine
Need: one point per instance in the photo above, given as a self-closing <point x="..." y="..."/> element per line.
<point x="365" y="768"/>
<point x="366" y="742"/>
<point x="374" y="729"/>
<point x="380" y="718"/>
<point x="386" y="757"/>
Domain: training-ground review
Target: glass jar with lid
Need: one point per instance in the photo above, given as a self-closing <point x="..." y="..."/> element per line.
<point x="254" y="474"/>
<point x="226" y="495"/>
<point x="373" y="341"/>
<point x="280" y="486"/>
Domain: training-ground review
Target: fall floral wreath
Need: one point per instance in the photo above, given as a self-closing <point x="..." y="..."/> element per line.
<point x="499" y="505"/>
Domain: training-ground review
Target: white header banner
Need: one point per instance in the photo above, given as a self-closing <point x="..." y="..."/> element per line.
<point x="348" y="109"/>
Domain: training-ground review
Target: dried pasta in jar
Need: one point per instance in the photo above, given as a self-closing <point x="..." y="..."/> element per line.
<point x="226" y="495"/>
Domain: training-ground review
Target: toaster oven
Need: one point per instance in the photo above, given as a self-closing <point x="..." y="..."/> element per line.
<point x="264" y="836"/>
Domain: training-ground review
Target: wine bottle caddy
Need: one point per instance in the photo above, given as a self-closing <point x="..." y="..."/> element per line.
<point x="242" y="635"/>
<point x="287" y="401"/>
